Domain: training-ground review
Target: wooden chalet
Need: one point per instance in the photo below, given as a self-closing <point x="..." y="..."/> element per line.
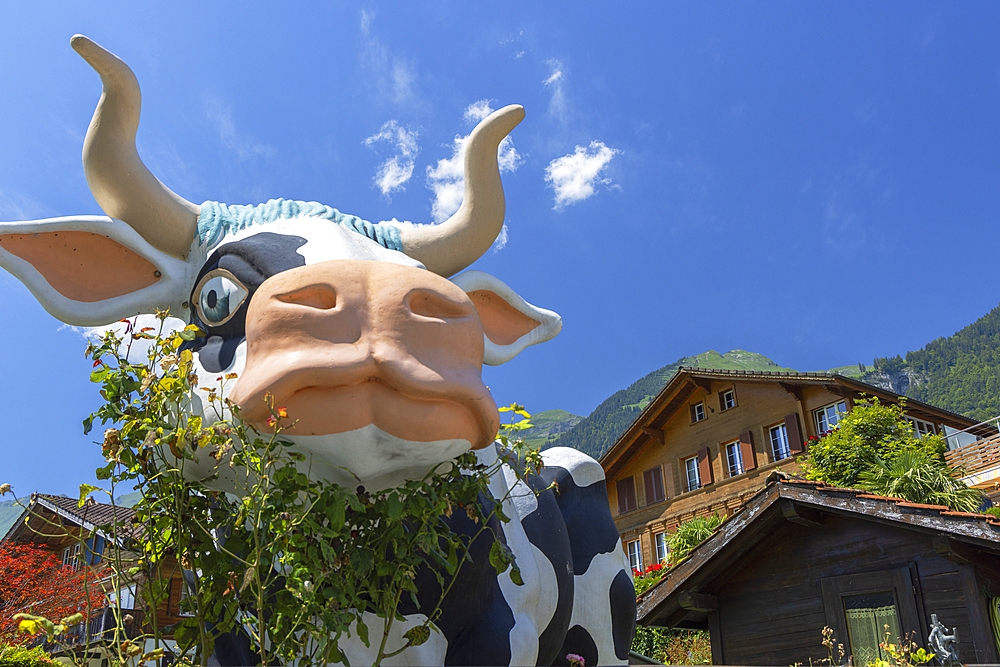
<point x="708" y="440"/>
<point x="96" y="535"/>
<point x="802" y="555"/>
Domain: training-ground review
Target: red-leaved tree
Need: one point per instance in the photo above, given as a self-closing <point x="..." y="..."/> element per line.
<point x="33" y="581"/>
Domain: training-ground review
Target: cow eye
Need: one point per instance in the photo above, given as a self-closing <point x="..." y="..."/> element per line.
<point x="218" y="296"/>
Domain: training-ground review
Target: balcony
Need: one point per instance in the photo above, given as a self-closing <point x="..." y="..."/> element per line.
<point x="980" y="461"/>
<point x="100" y="628"/>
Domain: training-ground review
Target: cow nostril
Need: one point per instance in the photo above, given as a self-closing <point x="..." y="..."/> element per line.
<point x="430" y="304"/>
<point x="323" y="297"/>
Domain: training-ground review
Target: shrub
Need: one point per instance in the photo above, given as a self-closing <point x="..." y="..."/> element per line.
<point x="14" y="655"/>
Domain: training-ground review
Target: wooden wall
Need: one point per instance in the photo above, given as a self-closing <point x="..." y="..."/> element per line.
<point x="771" y="609"/>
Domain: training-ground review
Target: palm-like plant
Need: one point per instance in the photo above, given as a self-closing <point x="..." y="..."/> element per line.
<point x="919" y="476"/>
<point x="690" y="534"/>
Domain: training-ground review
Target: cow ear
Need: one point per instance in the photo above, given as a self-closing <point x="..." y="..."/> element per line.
<point x="510" y="323"/>
<point x="91" y="270"/>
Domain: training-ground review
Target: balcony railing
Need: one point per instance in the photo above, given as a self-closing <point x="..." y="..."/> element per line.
<point x="980" y="455"/>
<point x="100" y="628"/>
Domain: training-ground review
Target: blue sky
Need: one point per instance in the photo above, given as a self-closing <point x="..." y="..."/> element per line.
<point x="817" y="182"/>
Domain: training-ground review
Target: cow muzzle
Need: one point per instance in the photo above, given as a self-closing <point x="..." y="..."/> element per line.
<point x="345" y="344"/>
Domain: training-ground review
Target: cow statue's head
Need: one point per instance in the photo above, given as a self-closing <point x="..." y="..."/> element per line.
<point x="355" y="328"/>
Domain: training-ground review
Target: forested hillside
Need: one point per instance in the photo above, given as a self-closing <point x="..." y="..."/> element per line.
<point x="596" y="433"/>
<point x="960" y="373"/>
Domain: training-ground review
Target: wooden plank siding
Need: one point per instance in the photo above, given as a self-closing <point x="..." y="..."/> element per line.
<point x="771" y="605"/>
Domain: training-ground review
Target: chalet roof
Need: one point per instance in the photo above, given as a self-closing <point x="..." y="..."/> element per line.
<point x="801" y="501"/>
<point x="688" y="380"/>
<point x="90" y="516"/>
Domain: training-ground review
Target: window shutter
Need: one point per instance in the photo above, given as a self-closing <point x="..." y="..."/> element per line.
<point x="705" y="467"/>
<point x="653" y="483"/>
<point x="795" y="441"/>
<point x="668" y="472"/>
<point x="88" y="550"/>
<point x="626" y="495"/>
<point x="746" y="450"/>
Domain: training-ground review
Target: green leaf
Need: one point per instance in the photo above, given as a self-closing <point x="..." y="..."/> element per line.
<point x="86" y="490"/>
<point x="88" y="423"/>
<point x="499" y="558"/>
<point x="515" y="576"/>
<point x="363" y="560"/>
<point x="394" y="507"/>
<point x="187" y="335"/>
<point x="418" y="635"/>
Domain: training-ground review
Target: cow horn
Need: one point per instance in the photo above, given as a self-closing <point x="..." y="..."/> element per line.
<point x="120" y="182"/>
<point x="460" y="240"/>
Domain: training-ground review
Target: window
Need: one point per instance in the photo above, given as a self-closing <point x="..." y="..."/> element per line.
<point x="693" y="478"/>
<point x="779" y="442"/>
<point x="727" y="399"/>
<point x="734" y="459"/>
<point x="125" y="598"/>
<point x="653" y="481"/>
<point x="697" y="412"/>
<point x="626" y="495"/>
<point x="859" y="606"/>
<point x="185" y="594"/>
<point x="635" y="555"/>
<point x="869" y="618"/>
<point x="71" y="557"/>
<point x="661" y="547"/>
<point x="828" y="417"/>
<point x="920" y="427"/>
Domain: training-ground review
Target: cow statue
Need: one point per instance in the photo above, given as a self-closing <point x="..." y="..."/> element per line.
<point x="357" y="330"/>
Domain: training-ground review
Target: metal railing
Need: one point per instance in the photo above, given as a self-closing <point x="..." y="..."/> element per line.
<point x="995" y="421"/>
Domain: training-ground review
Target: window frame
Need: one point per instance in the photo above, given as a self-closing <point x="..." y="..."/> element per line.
<point x="71" y="556"/>
<point x="733" y="450"/>
<point x="898" y="580"/>
<point x="822" y="419"/>
<point x="916" y="424"/>
<point x="783" y="429"/>
<point x="638" y="554"/>
<point x="690" y="485"/>
<point x="722" y="399"/>
<point x="698" y="413"/>
<point x="660" y="540"/>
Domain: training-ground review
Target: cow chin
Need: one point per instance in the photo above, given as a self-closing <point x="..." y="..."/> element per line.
<point x="371" y="457"/>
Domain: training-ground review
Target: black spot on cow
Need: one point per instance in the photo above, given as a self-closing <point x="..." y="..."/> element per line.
<point x="579" y="507"/>
<point x="579" y="642"/>
<point x="475" y="617"/>
<point x="622" y="614"/>
<point x="252" y="260"/>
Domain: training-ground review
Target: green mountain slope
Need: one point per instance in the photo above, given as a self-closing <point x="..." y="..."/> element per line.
<point x="595" y="434"/>
<point x="9" y="512"/>
<point x="548" y="426"/>
<point x="960" y="373"/>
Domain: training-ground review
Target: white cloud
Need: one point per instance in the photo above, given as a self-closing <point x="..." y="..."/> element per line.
<point x="241" y="145"/>
<point x="557" y="82"/>
<point x="447" y="179"/>
<point x="573" y="176"/>
<point x="395" y="171"/>
<point x="478" y="111"/>
<point x="393" y="77"/>
<point x="501" y="241"/>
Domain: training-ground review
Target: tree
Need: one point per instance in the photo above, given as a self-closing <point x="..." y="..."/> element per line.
<point x="34" y="581"/>
<point x="868" y="432"/>
<point x="874" y="448"/>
